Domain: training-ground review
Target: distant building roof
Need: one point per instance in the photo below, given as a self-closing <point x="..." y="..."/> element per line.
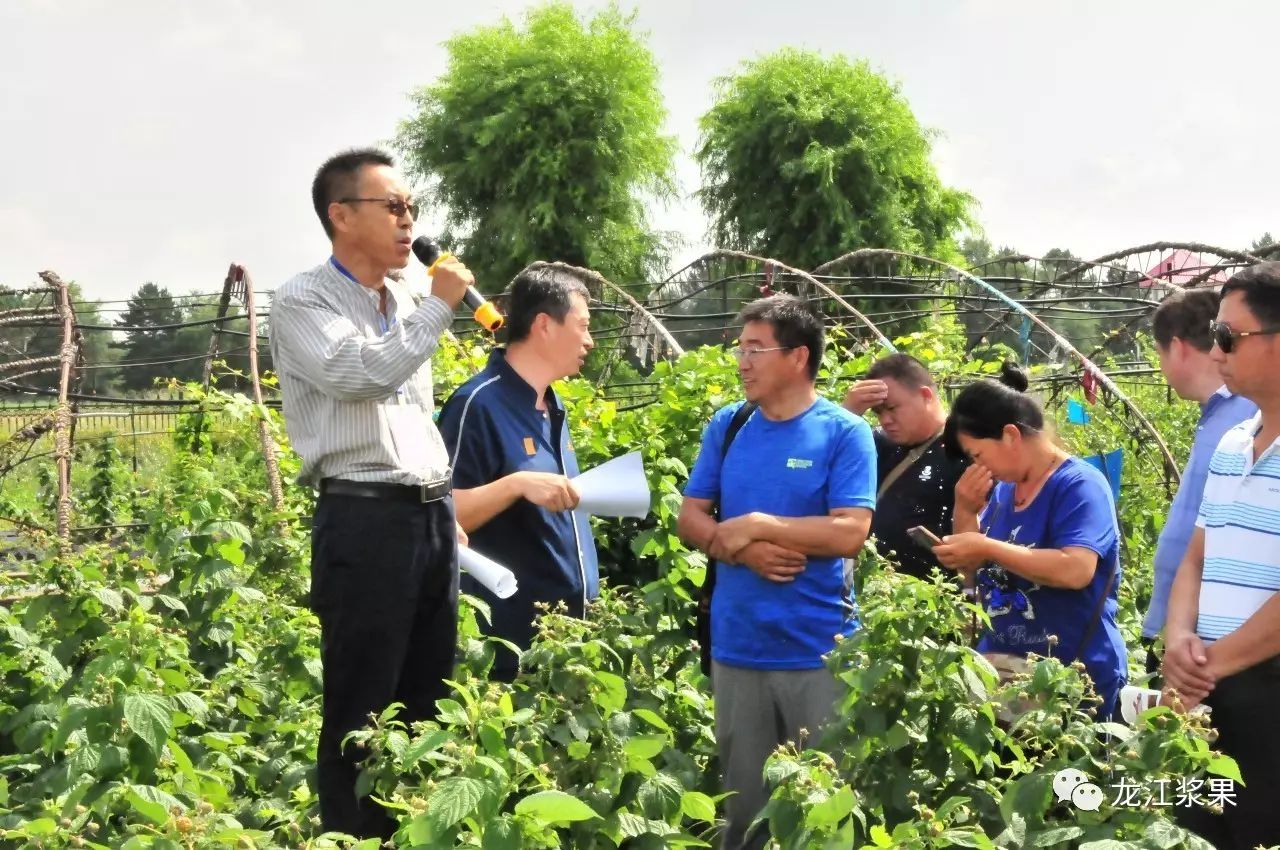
<point x="1182" y="267"/>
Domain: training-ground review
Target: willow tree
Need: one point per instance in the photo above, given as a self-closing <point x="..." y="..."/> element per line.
<point x="545" y="141"/>
<point x="805" y="157"/>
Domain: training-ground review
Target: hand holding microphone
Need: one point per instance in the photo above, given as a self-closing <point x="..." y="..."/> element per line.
<point x="448" y="273"/>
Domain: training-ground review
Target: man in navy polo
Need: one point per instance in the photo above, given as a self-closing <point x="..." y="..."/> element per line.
<point x="508" y="439"/>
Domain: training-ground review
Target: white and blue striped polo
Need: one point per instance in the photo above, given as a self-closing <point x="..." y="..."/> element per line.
<point x="1240" y="516"/>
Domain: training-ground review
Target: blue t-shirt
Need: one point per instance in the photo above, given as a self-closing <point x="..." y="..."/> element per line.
<point x="809" y="465"/>
<point x="1073" y="509"/>
<point x="1222" y="412"/>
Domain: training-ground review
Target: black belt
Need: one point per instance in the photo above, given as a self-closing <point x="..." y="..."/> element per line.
<point x="417" y="494"/>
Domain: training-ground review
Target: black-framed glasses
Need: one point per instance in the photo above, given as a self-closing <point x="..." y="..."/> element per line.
<point x="395" y="206"/>
<point x="1225" y="338"/>
<point x="747" y="353"/>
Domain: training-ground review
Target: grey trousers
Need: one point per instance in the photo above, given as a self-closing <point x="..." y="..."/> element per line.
<point x="756" y="711"/>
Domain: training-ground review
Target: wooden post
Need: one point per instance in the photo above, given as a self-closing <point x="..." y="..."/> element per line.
<point x="224" y="304"/>
<point x="62" y="415"/>
<point x="264" y="432"/>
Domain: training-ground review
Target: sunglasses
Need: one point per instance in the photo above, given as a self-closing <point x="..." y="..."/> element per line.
<point x="395" y="206"/>
<point x="1225" y="338"/>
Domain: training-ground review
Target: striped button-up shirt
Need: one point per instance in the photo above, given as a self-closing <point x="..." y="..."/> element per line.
<point x="1240" y="516"/>
<point x="342" y="364"/>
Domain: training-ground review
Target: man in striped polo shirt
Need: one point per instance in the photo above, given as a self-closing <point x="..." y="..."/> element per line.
<point x="353" y="351"/>
<point x="1223" y="627"/>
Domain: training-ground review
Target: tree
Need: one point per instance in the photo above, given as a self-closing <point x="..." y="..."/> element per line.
<point x="151" y="313"/>
<point x="976" y="250"/>
<point x="545" y="142"/>
<point x="806" y="157"/>
<point x="1264" y="241"/>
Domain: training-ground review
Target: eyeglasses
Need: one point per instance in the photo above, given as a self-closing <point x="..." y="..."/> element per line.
<point x="395" y="206"/>
<point x="1225" y="338"/>
<point x="747" y="353"/>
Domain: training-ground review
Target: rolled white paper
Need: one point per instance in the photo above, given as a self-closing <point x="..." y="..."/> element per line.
<point x="615" y="488"/>
<point x="497" y="579"/>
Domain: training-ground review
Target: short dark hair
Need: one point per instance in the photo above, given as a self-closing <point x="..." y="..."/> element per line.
<point x="339" y="177"/>
<point x="541" y="288"/>
<point x="1260" y="285"/>
<point x="986" y="407"/>
<point x="902" y="368"/>
<point x="793" y="323"/>
<point x="1186" y="315"/>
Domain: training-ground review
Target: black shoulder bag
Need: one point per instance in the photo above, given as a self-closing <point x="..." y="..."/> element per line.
<point x="703" y="615"/>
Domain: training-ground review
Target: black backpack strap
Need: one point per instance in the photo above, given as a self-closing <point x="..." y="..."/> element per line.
<point x="739" y="419"/>
<point x="703" y="611"/>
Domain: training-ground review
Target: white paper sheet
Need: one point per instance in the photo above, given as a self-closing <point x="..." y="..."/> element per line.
<point x="615" y="488"/>
<point x="499" y="580"/>
<point x="1135" y="700"/>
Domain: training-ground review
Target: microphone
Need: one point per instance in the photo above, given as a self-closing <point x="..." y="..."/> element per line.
<point x="486" y="315"/>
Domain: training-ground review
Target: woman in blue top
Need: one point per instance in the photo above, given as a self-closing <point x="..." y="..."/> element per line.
<point x="1043" y="550"/>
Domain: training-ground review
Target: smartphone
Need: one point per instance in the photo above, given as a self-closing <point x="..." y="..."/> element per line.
<point x="922" y="536"/>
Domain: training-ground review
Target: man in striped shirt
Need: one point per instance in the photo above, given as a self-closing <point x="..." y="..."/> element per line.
<point x="353" y="353"/>
<point x="1223" y="627"/>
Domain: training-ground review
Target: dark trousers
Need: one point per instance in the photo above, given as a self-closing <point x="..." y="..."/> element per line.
<point x="384" y="583"/>
<point x="1244" y="713"/>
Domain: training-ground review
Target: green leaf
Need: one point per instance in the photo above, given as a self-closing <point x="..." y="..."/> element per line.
<point x="613" y="695"/>
<point x="659" y="796"/>
<point x="554" y="807"/>
<point x="41" y="826"/>
<point x="966" y="838"/>
<point x="452" y="712"/>
<point x="429" y="742"/>
<point x="454" y="799"/>
<point x="192" y="704"/>
<point x="1225" y="766"/>
<point x="228" y="528"/>
<point x="644" y="746"/>
<point x="1164" y="834"/>
<point x="832" y="810"/>
<point x="149" y="717"/>
<point x="502" y="834"/>
<point x="633" y="826"/>
<point x="880" y="837"/>
<point x="652" y="718"/>
<point x="698" y="806"/>
<point x="1050" y="837"/>
<point x="172" y="603"/>
<point x="147" y="802"/>
<point x="110" y="598"/>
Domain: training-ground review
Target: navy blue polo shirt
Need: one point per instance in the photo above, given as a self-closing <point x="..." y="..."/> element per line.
<point x="492" y="428"/>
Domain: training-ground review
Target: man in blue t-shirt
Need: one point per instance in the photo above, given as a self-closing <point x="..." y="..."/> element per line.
<point x="1185" y="345"/>
<point x="795" y="493"/>
<point x="508" y="442"/>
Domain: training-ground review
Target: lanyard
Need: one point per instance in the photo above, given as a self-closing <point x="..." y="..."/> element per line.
<point x="383" y="326"/>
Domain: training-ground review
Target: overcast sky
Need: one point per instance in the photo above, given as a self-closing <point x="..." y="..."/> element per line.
<point x="162" y="139"/>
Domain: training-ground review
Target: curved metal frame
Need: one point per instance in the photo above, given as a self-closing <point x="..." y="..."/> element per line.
<point x="1171" y="466"/>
